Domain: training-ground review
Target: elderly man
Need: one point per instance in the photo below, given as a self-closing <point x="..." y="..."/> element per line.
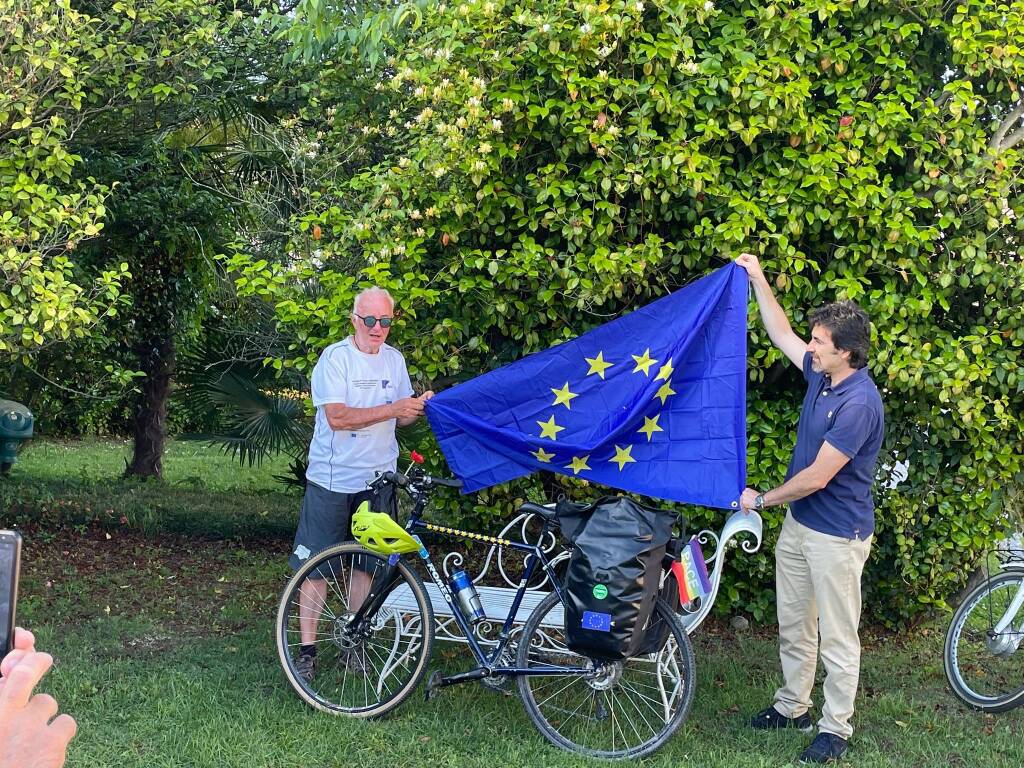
<point x="826" y="536"/>
<point x="361" y="390"/>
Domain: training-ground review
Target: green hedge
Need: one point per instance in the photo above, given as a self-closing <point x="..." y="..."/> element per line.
<point x="549" y="165"/>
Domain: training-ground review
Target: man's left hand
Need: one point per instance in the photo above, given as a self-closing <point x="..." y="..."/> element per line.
<point x="748" y="498"/>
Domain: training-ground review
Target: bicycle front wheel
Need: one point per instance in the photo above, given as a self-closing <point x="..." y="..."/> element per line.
<point x="362" y="670"/>
<point x="617" y="710"/>
<point x="985" y="669"/>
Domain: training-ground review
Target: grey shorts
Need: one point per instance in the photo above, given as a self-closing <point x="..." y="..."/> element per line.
<point x="326" y="518"/>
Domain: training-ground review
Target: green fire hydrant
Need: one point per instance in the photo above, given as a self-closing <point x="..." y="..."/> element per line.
<point x="15" y="428"/>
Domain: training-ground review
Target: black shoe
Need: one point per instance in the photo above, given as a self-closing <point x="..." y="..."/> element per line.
<point x="305" y="666"/>
<point x="772" y="720"/>
<point x="826" y="748"/>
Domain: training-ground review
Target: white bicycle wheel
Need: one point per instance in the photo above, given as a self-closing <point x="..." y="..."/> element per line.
<point x="985" y="669"/>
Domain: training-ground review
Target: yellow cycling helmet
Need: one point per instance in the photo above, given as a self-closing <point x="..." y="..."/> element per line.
<point x="379" y="533"/>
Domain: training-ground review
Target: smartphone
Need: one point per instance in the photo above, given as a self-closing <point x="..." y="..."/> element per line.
<point x="10" y="562"/>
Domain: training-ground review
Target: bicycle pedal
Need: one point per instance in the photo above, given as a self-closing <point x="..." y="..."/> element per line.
<point x="433" y="685"/>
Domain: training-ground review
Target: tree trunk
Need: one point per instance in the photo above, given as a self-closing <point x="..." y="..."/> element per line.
<point x="156" y="360"/>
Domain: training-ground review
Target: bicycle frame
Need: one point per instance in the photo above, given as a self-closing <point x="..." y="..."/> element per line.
<point x="1003" y="638"/>
<point x="487" y="663"/>
<point x="418" y="488"/>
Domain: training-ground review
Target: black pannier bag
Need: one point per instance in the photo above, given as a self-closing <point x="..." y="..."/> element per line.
<point x="618" y="547"/>
<point x="656" y="634"/>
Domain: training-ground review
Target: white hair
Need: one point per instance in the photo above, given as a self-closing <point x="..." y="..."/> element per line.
<point x="369" y="293"/>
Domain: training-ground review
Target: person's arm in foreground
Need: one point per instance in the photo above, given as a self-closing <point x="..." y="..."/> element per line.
<point x="28" y="738"/>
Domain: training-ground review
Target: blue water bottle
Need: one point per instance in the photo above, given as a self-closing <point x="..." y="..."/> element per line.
<point x="468" y="599"/>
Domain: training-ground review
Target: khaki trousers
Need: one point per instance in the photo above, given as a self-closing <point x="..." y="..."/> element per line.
<point x="817" y="581"/>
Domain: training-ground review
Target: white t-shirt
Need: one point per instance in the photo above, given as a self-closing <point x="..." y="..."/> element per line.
<point x="345" y="461"/>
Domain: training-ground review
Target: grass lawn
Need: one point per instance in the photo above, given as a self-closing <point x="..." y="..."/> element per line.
<point x="158" y="602"/>
<point x="204" y="493"/>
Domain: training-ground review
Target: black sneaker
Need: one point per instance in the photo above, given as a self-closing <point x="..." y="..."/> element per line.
<point x="826" y="748"/>
<point x="772" y="720"/>
<point x="305" y="666"/>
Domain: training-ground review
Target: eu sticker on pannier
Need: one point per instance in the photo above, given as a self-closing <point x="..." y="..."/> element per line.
<point x="601" y="622"/>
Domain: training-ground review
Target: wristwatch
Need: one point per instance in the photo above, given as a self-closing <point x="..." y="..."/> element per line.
<point x="759" y="502"/>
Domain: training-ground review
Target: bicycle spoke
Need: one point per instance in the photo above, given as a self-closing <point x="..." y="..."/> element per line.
<point x="333" y="582"/>
<point x="611" y="708"/>
<point x="383" y="680"/>
<point x="590" y="695"/>
<point x="565" y="687"/>
<point x="639" y="711"/>
<point x="322" y="604"/>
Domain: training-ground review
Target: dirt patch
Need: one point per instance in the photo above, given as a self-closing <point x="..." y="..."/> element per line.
<point x="186" y="587"/>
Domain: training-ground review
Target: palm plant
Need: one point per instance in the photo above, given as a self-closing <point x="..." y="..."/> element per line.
<point x="258" y="423"/>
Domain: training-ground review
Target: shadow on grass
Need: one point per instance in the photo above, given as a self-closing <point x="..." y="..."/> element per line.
<point x="150" y="506"/>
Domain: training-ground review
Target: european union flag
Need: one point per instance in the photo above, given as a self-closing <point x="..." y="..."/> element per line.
<point x="653" y="402"/>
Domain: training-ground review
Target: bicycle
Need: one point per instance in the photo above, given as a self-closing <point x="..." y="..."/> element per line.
<point x="377" y="629"/>
<point x="980" y="654"/>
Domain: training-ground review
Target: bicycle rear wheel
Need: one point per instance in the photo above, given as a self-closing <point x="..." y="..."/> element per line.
<point x="626" y="710"/>
<point x="366" y="670"/>
<point x="984" y="669"/>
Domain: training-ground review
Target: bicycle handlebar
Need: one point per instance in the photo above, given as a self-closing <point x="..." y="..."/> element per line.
<point x="447" y="482"/>
<point x="395" y="478"/>
<point x="402" y="481"/>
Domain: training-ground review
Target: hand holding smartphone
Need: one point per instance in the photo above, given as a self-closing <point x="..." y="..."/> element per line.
<point x="30" y="734"/>
<point x="10" y="562"/>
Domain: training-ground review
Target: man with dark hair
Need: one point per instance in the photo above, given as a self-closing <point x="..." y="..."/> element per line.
<point x="826" y="535"/>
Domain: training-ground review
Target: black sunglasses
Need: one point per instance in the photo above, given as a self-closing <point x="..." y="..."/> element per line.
<point x="370" y="320"/>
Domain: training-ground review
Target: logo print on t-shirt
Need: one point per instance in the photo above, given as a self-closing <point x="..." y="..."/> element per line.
<point x="384" y="384"/>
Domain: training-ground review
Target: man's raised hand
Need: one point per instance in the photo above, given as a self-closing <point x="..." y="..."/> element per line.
<point x="750" y="263"/>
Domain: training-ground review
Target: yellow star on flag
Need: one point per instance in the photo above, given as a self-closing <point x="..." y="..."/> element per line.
<point x="598" y="364"/>
<point x="665" y="372"/>
<point x="622" y="456"/>
<point x="549" y="428"/>
<point x="650" y="426"/>
<point x="541" y="455"/>
<point x="563" y="396"/>
<point x="579" y="463"/>
<point x="665" y="391"/>
<point x="644" y="362"/>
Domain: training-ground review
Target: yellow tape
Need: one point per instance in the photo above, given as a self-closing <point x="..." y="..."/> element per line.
<point x="467" y="534"/>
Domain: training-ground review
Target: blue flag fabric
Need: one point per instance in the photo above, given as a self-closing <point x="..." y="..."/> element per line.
<point x="653" y="402"/>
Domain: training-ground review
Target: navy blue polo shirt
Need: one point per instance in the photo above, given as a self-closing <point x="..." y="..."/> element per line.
<point x="850" y="417"/>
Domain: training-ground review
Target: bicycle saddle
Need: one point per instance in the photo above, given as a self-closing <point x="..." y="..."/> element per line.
<point x="545" y="513"/>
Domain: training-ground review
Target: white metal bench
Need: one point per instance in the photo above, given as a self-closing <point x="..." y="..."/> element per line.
<point x="497" y="600"/>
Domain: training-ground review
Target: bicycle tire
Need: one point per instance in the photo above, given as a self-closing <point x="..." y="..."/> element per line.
<point x="384" y="679"/>
<point x="968" y="648"/>
<point x="539" y="644"/>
